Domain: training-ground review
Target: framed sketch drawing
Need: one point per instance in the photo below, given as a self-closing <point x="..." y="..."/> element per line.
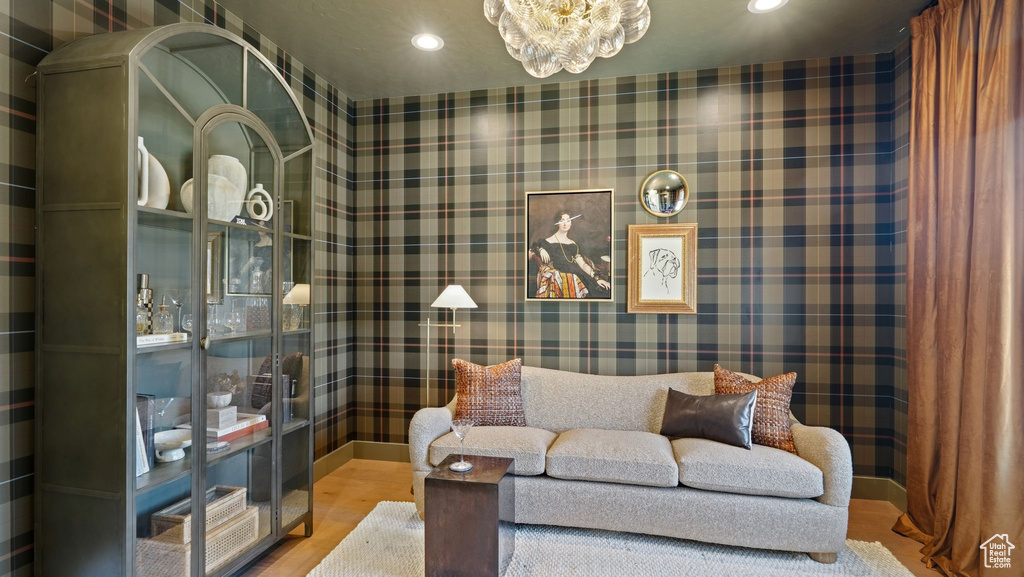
<point x="568" y="237"/>
<point x="662" y="268"/>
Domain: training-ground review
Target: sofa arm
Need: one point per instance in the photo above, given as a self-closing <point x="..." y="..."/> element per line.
<point x="826" y="449"/>
<point x="427" y="425"/>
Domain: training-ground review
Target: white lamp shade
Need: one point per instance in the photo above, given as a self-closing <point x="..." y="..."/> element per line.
<point x="454" y="297"/>
<point x="299" y="295"/>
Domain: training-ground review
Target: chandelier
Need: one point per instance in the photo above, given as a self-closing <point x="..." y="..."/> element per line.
<point x="552" y="35"/>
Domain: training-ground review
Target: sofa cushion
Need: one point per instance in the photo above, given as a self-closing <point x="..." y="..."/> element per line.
<point x="563" y="400"/>
<point x="490" y="396"/>
<point x="525" y="445"/>
<point x="771" y="415"/>
<point x="632" y="457"/>
<point x="722" y="418"/>
<point x="761" y="470"/>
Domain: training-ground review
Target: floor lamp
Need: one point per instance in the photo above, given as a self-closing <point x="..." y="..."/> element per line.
<point x="453" y="297"/>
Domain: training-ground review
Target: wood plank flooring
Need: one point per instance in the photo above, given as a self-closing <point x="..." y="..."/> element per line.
<point x="344" y="497"/>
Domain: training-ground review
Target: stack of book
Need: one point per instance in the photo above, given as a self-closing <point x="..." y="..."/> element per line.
<point x="150" y="340"/>
<point x="245" y="424"/>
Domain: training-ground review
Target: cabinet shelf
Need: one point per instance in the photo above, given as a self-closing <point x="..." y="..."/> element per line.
<point x="232" y="224"/>
<point x="294" y="426"/>
<point x="161" y="347"/>
<point x="234" y="338"/>
<point x="164" y="473"/>
<point x="242" y="444"/>
<point x="166" y="219"/>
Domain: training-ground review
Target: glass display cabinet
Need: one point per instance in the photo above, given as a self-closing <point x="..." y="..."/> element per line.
<point x="174" y="318"/>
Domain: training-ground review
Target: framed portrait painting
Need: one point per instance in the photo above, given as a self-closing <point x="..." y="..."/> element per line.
<point x="569" y="245"/>
<point x="662" y="268"/>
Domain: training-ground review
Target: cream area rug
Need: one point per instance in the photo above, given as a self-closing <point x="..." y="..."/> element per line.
<point x="389" y="543"/>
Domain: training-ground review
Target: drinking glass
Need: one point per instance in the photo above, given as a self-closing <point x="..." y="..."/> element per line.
<point x="178" y="298"/>
<point x="186" y="322"/>
<point x="237" y="320"/>
<point x="461" y="427"/>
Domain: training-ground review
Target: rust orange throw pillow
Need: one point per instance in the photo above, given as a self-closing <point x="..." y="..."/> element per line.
<point x="491" y="396"/>
<point x="771" y="413"/>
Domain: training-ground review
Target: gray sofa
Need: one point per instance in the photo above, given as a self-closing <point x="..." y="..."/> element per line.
<point x="591" y="456"/>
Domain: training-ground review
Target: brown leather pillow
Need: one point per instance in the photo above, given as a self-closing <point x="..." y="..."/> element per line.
<point x="491" y="396"/>
<point x="771" y="416"/>
<point x="722" y="418"/>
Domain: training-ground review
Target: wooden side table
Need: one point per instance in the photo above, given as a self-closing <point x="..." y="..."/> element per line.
<point x="470" y="518"/>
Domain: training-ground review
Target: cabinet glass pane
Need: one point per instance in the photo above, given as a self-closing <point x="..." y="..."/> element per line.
<point x="167" y="138"/>
<point x="164" y="254"/>
<point x="273" y="103"/>
<point x="163" y="369"/>
<point x="240" y="270"/>
<point x="239" y="446"/>
<point x="163" y="539"/>
<point x="296" y="287"/>
<point x="296" y="200"/>
<point x="295" y="373"/>
<point x="242" y="168"/>
<point x="294" y="475"/>
<point x="198" y="70"/>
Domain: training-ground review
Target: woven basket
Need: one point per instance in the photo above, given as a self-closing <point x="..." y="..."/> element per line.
<point x="174" y="523"/>
<point x="159" y="558"/>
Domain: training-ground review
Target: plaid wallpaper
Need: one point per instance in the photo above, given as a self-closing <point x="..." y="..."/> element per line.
<point x="791" y="168"/>
<point x="901" y="174"/>
<point x="798" y="172"/>
<point x="29" y="29"/>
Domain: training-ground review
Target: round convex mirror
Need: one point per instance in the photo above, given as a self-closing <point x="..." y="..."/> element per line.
<point x="664" y="193"/>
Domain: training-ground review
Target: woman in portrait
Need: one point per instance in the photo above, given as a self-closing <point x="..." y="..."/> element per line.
<point x="563" y="272"/>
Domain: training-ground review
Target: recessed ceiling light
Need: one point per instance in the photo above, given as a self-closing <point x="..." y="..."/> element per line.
<point x="762" y="6"/>
<point x="428" y="42"/>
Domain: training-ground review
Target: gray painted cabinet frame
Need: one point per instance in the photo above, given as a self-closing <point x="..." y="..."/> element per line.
<point x="88" y="234"/>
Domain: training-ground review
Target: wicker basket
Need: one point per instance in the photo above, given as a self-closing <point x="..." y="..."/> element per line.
<point x="174" y="523"/>
<point x="159" y="558"/>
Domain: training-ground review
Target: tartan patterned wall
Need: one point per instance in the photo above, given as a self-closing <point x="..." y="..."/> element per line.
<point x="29" y="29"/>
<point x="791" y="170"/>
<point x="901" y="174"/>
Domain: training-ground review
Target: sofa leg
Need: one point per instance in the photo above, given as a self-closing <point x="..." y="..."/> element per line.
<point x="826" y="558"/>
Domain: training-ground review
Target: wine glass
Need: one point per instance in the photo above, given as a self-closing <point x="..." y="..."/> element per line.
<point x="461" y="427"/>
<point x="186" y="322"/>
<point x="178" y="298"/>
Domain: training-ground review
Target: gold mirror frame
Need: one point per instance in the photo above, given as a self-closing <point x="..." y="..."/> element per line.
<point x="669" y="183"/>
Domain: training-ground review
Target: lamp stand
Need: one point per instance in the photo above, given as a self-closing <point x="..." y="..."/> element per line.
<point x="429" y="324"/>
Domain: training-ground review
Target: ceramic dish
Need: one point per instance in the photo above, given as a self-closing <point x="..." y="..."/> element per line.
<point x="173" y="439"/>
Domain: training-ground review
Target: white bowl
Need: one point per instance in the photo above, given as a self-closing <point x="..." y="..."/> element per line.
<point x="217" y="400"/>
<point x="172" y="439"/>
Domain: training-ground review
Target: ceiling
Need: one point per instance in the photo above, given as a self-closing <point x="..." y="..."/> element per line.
<point x="364" y="46"/>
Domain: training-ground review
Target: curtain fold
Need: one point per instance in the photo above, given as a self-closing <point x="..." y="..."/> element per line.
<point x="965" y="285"/>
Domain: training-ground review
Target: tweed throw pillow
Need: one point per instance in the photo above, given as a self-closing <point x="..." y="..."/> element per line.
<point x="491" y="396"/>
<point x="771" y="413"/>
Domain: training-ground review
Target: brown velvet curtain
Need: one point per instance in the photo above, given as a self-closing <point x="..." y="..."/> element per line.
<point x="965" y="285"/>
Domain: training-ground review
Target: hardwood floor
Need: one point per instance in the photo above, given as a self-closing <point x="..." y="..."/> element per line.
<point x="344" y="497"/>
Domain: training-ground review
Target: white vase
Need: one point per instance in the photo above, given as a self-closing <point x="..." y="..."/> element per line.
<point x="260" y="204"/>
<point x="221" y="198"/>
<point x="142" y="162"/>
<point x="232" y="169"/>
<point x="154" y="186"/>
<point x="159" y="185"/>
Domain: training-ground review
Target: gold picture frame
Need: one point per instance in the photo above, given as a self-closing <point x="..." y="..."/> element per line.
<point x="662" y="268"/>
<point x="580" y="239"/>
